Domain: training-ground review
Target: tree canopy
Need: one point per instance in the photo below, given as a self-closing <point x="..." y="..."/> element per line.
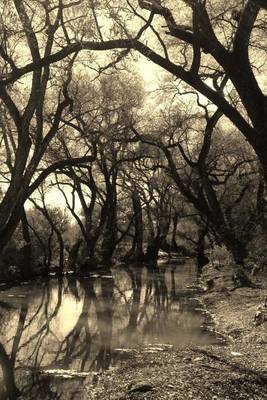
<point x="76" y="114"/>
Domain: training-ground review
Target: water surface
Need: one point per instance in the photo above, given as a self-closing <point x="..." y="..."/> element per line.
<point x="54" y="334"/>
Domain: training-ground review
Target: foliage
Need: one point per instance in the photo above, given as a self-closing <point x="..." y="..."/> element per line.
<point x="220" y="255"/>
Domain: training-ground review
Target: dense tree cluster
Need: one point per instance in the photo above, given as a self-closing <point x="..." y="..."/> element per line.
<point x="175" y="162"/>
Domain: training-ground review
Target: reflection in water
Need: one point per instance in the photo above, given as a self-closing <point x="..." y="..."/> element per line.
<point x="8" y="389"/>
<point x="74" y="326"/>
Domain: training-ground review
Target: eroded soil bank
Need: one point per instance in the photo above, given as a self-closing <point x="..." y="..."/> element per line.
<point x="237" y="370"/>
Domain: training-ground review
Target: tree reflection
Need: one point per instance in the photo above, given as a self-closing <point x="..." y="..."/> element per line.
<point x="9" y="389"/>
<point x="136" y="279"/>
<point x="118" y="308"/>
<point x="33" y="343"/>
<point x="156" y="302"/>
<point x="149" y="301"/>
<point x="19" y="331"/>
<point x="173" y="288"/>
<point x="36" y="341"/>
<point x="77" y="344"/>
<point x="104" y="310"/>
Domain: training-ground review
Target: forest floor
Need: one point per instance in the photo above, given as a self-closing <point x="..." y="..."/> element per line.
<point x="234" y="371"/>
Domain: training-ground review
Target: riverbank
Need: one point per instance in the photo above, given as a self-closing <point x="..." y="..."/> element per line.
<point x="234" y="371"/>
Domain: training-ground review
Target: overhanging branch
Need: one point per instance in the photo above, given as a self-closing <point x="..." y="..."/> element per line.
<point x="59" y="165"/>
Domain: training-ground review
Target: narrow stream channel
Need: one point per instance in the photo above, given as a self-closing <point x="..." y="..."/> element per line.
<point x="54" y="334"/>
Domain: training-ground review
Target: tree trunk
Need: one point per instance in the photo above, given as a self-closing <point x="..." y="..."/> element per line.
<point x="138" y="224"/>
<point x="110" y="228"/>
<point x="7" y="229"/>
<point x="261" y="205"/>
<point x="27" y="248"/>
<point x="108" y="245"/>
<point x="74" y="253"/>
<point x="159" y="241"/>
<point x="202" y="259"/>
<point x="59" y="239"/>
<point x="152" y="250"/>
<point x="136" y="253"/>
<point x="174" y="246"/>
<point x="49" y="248"/>
<point x="234" y="246"/>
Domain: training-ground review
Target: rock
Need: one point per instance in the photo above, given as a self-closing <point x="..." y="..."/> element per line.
<point x="198" y="359"/>
<point x="140" y="387"/>
<point x="260" y="315"/>
<point x="236" y="354"/>
<point x="169" y="386"/>
<point x="163" y="254"/>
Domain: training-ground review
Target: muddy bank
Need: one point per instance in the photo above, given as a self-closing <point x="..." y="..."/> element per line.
<point x="234" y="371"/>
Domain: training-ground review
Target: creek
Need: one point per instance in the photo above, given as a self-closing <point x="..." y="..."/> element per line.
<point x="57" y="333"/>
